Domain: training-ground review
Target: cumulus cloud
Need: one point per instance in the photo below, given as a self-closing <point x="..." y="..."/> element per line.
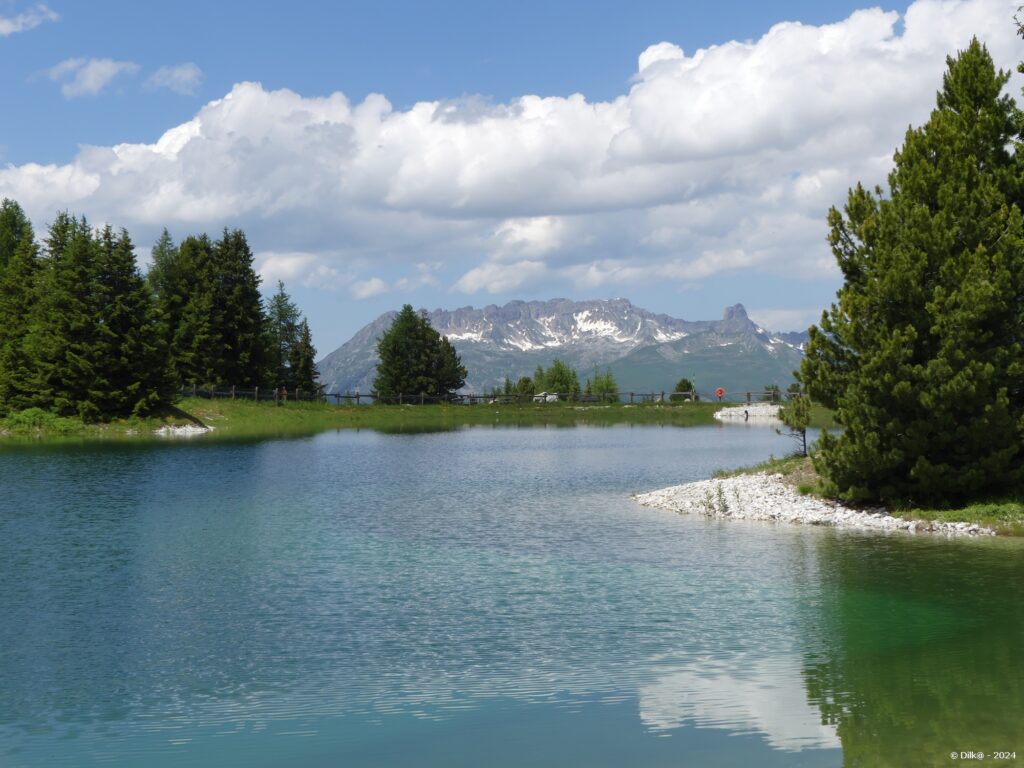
<point x="365" y="289"/>
<point x="87" y="77"/>
<point x="717" y="162"/>
<point x="27" y="20"/>
<point x="183" y="79"/>
<point x="787" y="318"/>
<point x="307" y="269"/>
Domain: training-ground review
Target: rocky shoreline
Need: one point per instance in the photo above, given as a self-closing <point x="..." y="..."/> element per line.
<point x="764" y="496"/>
<point x="762" y="413"/>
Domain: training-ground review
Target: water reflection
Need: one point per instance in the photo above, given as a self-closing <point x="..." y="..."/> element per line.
<point x="238" y="599"/>
<point x="923" y="652"/>
<point x="765" y="696"/>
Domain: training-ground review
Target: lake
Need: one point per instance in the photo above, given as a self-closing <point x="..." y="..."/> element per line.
<point x="481" y="597"/>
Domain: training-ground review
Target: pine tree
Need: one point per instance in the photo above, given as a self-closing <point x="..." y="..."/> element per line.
<point x="14" y="229"/>
<point x="415" y="359"/>
<point x="170" y="287"/>
<point x="302" y="362"/>
<point x="185" y="296"/>
<point x="683" y="389"/>
<point x="64" y="341"/>
<point x="17" y="298"/>
<point x="605" y="386"/>
<point x="560" y="378"/>
<point x="236" y="313"/>
<point x="282" y="337"/>
<point x="921" y="357"/>
<point x="134" y="360"/>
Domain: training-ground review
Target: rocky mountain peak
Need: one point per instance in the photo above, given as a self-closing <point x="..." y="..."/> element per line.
<point x="511" y="340"/>
<point x="735" y="312"/>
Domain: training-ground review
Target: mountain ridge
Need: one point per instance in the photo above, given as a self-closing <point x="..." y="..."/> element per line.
<point x="645" y="351"/>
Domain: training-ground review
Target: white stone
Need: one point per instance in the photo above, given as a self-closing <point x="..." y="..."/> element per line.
<point x="767" y="497"/>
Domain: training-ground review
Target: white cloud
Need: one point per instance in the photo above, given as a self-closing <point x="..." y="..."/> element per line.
<point x="495" y="277"/>
<point x="786" y="319"/>
<point x="365" y="289"/>
<point x="184" y="79"/>
<point x="723" y="161"/>
<point x="307" y="269"/>
<point x="30" y="19"/>
<point x="87" y="77"/>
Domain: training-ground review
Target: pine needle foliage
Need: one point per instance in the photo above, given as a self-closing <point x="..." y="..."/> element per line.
<point x="921" y="356"/>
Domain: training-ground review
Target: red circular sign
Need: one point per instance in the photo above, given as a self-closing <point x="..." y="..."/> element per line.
<point x="720" y="392"/>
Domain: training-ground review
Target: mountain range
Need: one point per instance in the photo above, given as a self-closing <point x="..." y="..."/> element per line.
<point x="645" y="351"/>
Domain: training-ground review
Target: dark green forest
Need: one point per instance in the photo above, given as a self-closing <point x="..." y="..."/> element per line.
<point x="84" y="333"/>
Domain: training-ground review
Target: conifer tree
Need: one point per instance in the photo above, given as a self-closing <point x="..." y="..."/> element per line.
<point x="236" y="313"/>
<point x="921" y="356"/>
<point x="415" y="359"/>
<point x="185" y="296"/>
<point x="282" y="337"/>
<point x="17" y="298"/>
<point x="302" y="362"/>
<point x="14" y="229"/>
<point x="64" y="341"/>
<point x="134" y="361"/>
<point x="559" y="378"/>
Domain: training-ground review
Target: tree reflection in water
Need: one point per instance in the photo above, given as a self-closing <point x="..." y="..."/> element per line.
<point x="922" y="648"/>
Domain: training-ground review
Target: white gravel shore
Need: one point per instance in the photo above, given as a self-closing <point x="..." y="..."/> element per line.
<point x="183" y="430"/>
<point x="757" y="412"/>
<point x="767" y="497"/>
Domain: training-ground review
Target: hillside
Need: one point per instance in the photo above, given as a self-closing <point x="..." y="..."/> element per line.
<point x="645" y="351"/>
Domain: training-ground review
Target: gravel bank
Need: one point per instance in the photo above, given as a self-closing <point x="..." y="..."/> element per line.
<point x="767" y="497"/>
<point x="185" y="430"/>
<point x="758" y="412"/>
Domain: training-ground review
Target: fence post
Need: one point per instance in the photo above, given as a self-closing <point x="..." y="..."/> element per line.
<point x="357" y="398"/>
<point x="256" y="395"/>
<point x="193" y="389"/>
<point x="399" y="398"/>
<point x="630" y="398"/>
<point x="421" y="398"/>
<point x="298" y="394"/>
<point x="748" y="398"/>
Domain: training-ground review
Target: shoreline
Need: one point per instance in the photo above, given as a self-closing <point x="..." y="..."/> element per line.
<point x="766" y="497"/>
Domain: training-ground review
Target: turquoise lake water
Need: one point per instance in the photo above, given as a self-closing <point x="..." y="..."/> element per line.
<point x="482" y="597"/>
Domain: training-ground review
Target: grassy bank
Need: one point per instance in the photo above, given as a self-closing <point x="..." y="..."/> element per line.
<point x="1005" y="515"/>
<point x="242" y="418"/>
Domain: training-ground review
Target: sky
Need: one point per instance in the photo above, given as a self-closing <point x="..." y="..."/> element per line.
<point x="683" y="155"/>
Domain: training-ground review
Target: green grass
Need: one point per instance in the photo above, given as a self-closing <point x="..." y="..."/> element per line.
<point x="1003" y="515"/>
<point x="244" y="418"/>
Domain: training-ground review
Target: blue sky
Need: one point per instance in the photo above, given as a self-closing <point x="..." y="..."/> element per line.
<point x="682" y="155"/>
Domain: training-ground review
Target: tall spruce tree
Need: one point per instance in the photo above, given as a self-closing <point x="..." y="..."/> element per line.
<point x="64" y="339"/>
<point x="236" y="311"/>
<point x="14" y="229"/>
<point x="921" y="356"/>
<point x="185" y="297"/>
<point x="17" y="298"/>
<point x="415" y="359"/>
<point x="302" y="362"/>
<point x="135" y="365"/>
<point x="282" y="337"/>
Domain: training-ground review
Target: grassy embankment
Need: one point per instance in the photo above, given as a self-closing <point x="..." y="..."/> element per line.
<point x="1005" y="515"/>
<point x="242" y="418"/>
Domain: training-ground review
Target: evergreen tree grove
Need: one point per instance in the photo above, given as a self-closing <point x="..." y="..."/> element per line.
<point x="82" y="333"/>
<point x="921" y="356"/>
